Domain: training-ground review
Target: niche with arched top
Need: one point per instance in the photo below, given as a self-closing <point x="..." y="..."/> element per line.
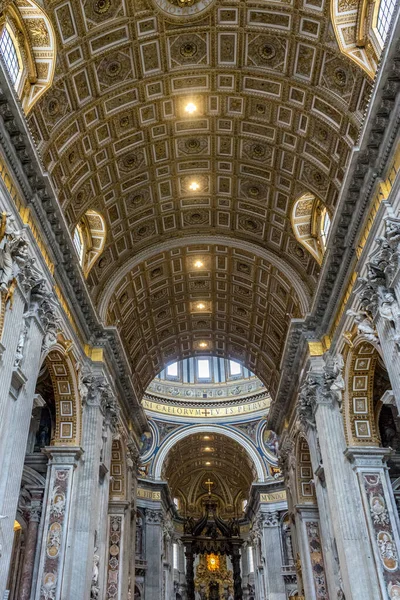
<point x="89" y="239"/>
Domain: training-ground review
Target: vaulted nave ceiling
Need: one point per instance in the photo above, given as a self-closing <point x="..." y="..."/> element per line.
<point x="216" y="458"/>
<point x="278" y="108"/>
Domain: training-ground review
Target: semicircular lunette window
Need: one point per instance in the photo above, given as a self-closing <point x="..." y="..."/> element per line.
<point x="311" y="222"/>
<point x="89" y="239"/>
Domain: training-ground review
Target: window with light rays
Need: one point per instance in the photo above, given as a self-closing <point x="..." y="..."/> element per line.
<point x="385" y="14"/>
<point x="78" y="243"/>
<point x="325" y="227"/>
<point x="9" y="54"/>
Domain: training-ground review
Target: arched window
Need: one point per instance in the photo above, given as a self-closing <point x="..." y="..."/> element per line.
<point x="78" y="243"/>
<point x="9" y="53"/>
<point x="383" y="18"/>
<point x="28" y="49"/>
<point x="311" y="224"/>
<point x="89" y="239"/>
<point x="325" y="227"/>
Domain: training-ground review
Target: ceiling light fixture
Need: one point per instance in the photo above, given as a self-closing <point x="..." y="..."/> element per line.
<point x="203" y="344"/>
<point x="190" y="108"/>
<point x="198" y="264"/>
<point x="208" y="463"/>
<point x="201" y="305"/>
<point x="194" y="186"/>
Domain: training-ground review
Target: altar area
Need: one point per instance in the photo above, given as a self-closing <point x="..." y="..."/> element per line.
<point x="213" y="579"/>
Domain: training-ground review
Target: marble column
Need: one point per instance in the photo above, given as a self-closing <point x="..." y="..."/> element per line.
<point x="189" y="572"/>
<point x="356" y="558"/>
<point x="271" y="551"/>
<point x="63" y="461"/>
<point x="20" y="402"/>
<point x="31" y="543"/>
<point x="380" y="510"/>
<point x="153" y="553"/>
<point x="237" y="577"/>
<point x="86" y="516"/>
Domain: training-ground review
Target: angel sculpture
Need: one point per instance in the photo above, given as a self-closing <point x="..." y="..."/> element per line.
<point x="364" y="325"/>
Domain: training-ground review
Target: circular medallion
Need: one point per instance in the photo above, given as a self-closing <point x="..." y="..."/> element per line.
<point x="183" y="8"/>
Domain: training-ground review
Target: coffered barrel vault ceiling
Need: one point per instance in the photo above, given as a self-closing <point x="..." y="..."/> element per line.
<point x="278" y="108"/>
<point x="200" y="458"/>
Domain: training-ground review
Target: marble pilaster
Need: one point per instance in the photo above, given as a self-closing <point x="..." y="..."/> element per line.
<point x="20" y="402"/>
<point x="271" y="544"/>
<point x="117" y="520"/>
<point x="153" y="553"/>
<point x="331" y="561"/>
<point x="61" y="476"/>
<point x="354" y="549"/>
<point x="88" y="510"/>
<point x="35" y="513"/>
<point x="380" y="510"/>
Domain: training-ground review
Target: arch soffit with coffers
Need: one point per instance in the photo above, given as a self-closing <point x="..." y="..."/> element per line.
<point x="359" y="415"/>
<point x="66" y="395"/>
<point x="156" y="308"/>
<point x="305" y="489"/>
<point x="303" y="290"/>
<point x="118" y="479"/>
<point x="157" y="465"/>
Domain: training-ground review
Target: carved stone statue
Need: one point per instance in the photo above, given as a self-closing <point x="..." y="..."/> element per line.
<point x="364" y="325"/>
<point x="95" y="589"/>
<point x="19" y="355"/>
<point x="13" y="251"/>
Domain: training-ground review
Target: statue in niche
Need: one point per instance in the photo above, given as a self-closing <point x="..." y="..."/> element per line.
<point x="43" y="436"/>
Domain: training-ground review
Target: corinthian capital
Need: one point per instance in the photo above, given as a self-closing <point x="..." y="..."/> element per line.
<point x="96" y="391"/>
<point x="271" y="518"/>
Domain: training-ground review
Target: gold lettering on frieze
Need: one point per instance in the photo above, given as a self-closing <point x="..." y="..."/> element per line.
<point x="223" y="411"/>
<point x="148" y="494"/>
<point x="273" y="497"/>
